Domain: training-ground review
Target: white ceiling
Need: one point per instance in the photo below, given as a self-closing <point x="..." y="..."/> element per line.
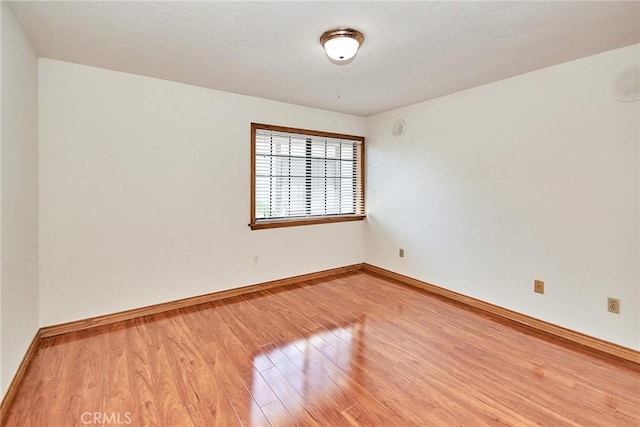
<point x="413" y="51"/>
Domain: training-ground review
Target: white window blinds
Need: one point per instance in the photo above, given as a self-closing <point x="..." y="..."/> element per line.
<point x="303" y="176"/>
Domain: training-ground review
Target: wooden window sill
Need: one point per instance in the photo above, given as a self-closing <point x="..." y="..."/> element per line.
<point x="304" y="221"/>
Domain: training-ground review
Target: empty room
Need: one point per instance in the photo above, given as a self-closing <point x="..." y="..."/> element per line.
<point x="320" y="213"/>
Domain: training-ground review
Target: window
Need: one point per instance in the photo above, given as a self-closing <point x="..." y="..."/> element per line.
<point x="302" y="177"/>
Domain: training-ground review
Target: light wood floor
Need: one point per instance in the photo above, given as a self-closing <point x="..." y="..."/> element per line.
<point x="352" y="350"/>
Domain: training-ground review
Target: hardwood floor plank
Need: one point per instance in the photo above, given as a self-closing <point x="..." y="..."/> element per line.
<point x="355" y="349"/>
<point x="377" y="410"/>
<point x="355" y="416"/>
<point x="277" y="415"/>
<point x="288" y="396"/>
<point x="145" y="411"/>
<point x="260" y="390"/>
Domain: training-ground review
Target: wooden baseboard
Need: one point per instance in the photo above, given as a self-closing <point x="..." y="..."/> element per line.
<point x="79" y="325"/>
<point x="31" y="353"/>
<point x="531" y="322"/>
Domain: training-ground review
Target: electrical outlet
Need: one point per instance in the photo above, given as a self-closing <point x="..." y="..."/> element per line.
<point x="254" y="261"/>
<point x="613" y="305"/>
<point x="401" y="253"/>
<point x="538" y="286"/>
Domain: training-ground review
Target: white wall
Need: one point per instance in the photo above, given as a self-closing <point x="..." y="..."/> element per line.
<point x="19" y="199"/>
<point x="533" y="177"/>
<point x="145" y="193"/>
<point x="3" y="388"/>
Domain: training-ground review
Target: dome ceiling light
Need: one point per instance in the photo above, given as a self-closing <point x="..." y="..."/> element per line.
<point x="341" y="44"/>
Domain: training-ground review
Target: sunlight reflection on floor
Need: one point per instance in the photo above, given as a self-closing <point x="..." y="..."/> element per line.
<point x="288" y="377"/>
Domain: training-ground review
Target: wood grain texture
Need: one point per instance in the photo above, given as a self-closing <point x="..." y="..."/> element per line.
<point x="295" y="222"/>
<point x="78" y="325"/>
<point x="14" y="386"/>
<point x="532" y="322"/>
<point x="354" y="349"/>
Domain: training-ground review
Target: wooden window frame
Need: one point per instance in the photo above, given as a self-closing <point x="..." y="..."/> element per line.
<point x="292" y="222"/>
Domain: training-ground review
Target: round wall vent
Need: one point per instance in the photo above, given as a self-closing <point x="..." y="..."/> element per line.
<point x="399" y="128"/>
<point x="625" y="86"/>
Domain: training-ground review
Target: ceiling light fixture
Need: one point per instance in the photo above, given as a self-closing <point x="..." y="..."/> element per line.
<point x="341" y="44"/>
